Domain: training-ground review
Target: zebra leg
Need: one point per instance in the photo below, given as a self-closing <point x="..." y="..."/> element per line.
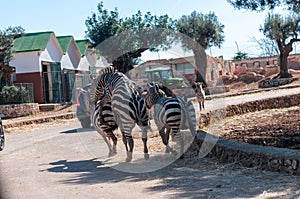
<point x="114" y="139"/>
<point x="166" y="142"/>
<point x="128" y="140"/>
<point x="144" y="138"/>
<point x="181" y="146"/>
<point x="167" y="138"/>
<point x="110" y="152"/>
<point x="124" y="141"/>
<point x="200" y="106"/>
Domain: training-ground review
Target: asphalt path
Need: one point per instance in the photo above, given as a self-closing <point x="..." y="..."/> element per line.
<point x="66" y="161"/>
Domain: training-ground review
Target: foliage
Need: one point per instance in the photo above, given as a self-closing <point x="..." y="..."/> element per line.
<point x="14" y="95"/>
<point x="283" y="30"/>
<point x="122" y="40"/>
<point x="203" y="29"/>
<point x="240" y="55"/>
<point x="260" y="5"/>
<point x="7" y="37"/>
<point x="199" y="32"/>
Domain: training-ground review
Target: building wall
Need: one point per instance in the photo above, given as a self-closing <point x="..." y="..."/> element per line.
<point x="26" y="62"/>
<point x="257" y="61"/>
<point x="293" y="61"/>
<point x="52" y="52"/>
<point x="71" y="59"/>
<point x="36" y="79"/>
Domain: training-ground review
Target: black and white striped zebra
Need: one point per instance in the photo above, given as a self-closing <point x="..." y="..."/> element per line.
<point x="104" y="122"/>
<point x="172" y="114"/>
<point x="101" y="118"/>
<point x="127" y="105"/>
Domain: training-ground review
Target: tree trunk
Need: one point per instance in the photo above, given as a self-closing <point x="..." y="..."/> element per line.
<point x="201" y="65"/>
<point x="283" y="63"/>
<point x="283" y="59"/>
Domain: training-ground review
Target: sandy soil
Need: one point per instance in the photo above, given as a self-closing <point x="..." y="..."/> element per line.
<point x="273" y="127"/>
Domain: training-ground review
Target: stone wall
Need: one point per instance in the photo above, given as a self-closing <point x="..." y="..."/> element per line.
<point x="257" y="105"/>
<point x="270" y="158"/>
<point x="18" y="110"/>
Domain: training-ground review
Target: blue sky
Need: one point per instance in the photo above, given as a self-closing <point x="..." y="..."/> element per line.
<point x="68" y="17"/>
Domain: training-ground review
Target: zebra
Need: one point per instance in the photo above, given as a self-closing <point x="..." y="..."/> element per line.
<point x="200" y="94"/>
<point x="171" y="113"/>
<point x="104" y="122"/>
<point x="127" y="105"/>
<point x="90" y="108"/>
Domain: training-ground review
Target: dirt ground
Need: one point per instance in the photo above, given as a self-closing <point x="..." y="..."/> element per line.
<point x="272" y="127"/>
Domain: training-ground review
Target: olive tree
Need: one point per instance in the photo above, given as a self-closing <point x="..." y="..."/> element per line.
<point x="202" y="31"/>
<point x="283" y="30"/>
<point x="123" y="40"/>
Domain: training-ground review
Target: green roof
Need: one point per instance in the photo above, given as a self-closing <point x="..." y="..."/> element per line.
<point x="32" y="41"/>
<point x="64" y="42"/>
<point x="82" y="45"/>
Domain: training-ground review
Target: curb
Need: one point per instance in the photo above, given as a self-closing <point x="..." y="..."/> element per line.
<point x="11" y="124"/>
<point x="250" y="155"/>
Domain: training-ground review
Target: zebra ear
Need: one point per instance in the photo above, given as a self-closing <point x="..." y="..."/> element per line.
<point x="156" y="87"/>
<point x="150" y="85"/>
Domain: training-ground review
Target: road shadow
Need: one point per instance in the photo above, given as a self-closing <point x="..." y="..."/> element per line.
<point x="205" y="178"/>
<point x="92" y="171"/>
<point x="78" y="130"/>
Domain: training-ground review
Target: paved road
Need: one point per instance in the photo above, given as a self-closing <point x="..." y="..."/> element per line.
<point x="64" y="161"/>
<point x="223" y="102"/>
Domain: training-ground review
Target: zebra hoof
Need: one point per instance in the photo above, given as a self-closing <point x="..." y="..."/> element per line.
<point x="174" y="153"/>
<point x="111" y="154"/>
<point x="146" y="156"/>
<point x="167" y="150"/>
<point x="129" y="157"/>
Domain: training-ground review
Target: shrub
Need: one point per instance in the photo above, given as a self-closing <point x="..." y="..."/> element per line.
<point x="14" y="95"/>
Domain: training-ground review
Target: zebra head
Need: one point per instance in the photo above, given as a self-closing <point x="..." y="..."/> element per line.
<point x="99" y="83"/>
<point x="153" y="94"/>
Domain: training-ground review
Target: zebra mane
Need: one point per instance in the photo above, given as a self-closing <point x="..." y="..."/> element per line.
<point x="94" y="95"/>
<point x="108" y="69"/>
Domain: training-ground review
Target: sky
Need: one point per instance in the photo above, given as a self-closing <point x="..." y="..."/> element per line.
<point x="68" y="18"/>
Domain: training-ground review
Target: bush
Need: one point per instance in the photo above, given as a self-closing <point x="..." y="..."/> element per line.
<point x="14" y="95"/>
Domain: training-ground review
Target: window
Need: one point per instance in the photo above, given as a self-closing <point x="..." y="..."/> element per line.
<point x="186" y="68"/>
<point x="275" y="62"/>
<point x="256" y="63"/>
<point x="244" y="64"/>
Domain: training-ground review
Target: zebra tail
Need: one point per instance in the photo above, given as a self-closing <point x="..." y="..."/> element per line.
<point x="190" y="114"/>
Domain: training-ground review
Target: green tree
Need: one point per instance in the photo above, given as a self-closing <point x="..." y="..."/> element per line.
<point x="123" y="40"/>
<point x="7" y="37"/>
<point x="260" y="5"/>
<point x="240" y="55"/>
<point x="283" y="30"/>
<point x="199" y="32"/>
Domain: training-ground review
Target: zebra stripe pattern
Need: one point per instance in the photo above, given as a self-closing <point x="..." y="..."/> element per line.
<point x="104" y="122"/>
<point x="89" y="108"/>
<point x="127" y="105"/>
<point x="171" y="113"/>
